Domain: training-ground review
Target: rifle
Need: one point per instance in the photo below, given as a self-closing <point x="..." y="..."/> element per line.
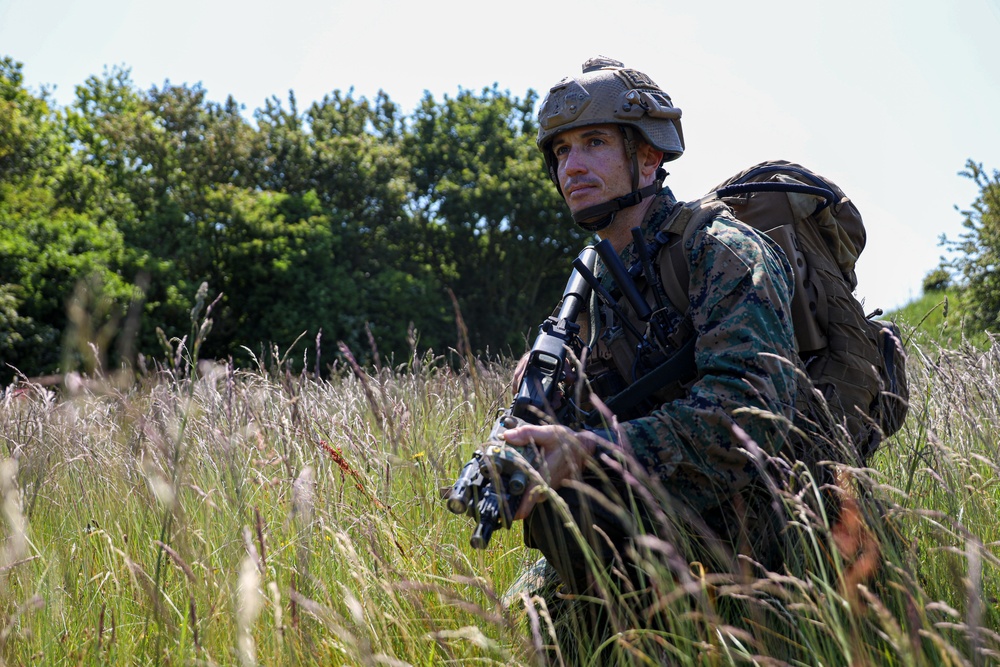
<point x="490" y="486"/>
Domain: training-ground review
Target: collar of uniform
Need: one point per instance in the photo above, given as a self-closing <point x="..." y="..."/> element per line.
<point x="659" y="211"/>
<point x="661" y="208"/>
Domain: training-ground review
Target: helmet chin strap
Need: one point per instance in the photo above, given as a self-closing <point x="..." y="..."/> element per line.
<point x="598" y="217"/>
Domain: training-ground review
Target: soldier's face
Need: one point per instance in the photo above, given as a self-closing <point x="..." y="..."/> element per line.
<point x="591" y="165"/>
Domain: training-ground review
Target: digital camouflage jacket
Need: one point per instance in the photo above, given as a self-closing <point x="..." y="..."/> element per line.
<point x="739" y="294"/>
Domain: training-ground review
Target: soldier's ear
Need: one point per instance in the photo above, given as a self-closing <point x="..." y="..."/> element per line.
<point x="650" y="159"/>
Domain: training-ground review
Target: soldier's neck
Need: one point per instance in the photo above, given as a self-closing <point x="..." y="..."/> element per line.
<point x="619" y="232"/>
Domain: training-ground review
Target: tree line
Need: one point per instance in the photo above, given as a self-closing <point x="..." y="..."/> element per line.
<point x="346" y="218"/>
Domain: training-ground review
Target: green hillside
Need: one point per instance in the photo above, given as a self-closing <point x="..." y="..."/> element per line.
<point x="938" y="317"/>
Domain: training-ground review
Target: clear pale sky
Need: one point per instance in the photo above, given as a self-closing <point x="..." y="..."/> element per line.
<point x="889" y="98"/>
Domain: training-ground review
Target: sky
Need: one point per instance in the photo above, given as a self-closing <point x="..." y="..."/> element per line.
<point x="888" y="98"/>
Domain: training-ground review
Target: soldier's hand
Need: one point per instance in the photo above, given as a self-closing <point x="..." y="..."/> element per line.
<point x="565" y="452"/>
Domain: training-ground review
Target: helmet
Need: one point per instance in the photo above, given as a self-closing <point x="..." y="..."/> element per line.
<point x="608" y="92"/>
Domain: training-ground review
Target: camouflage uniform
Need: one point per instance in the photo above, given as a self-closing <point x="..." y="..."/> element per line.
<point x="687" y="446"/>
<point x="739" y="293"/>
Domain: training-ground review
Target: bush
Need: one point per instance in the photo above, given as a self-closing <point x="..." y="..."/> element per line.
<point x="937" y="280"/>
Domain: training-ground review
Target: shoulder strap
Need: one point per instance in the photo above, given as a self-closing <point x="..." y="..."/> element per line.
<point x="675" y="275"/>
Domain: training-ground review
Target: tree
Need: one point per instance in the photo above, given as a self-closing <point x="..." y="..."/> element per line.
<point x="492" y="220"/>
<point x="170" y="157"/>
<point x="30" y="141"/>
<point x="346" y="217"/>
<point x="46" y="247"/>
<point x="342" y="157"/>
<point x="978" y="250"/>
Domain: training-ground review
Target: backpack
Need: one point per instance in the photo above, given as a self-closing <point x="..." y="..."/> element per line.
<point x="854" y="361"/>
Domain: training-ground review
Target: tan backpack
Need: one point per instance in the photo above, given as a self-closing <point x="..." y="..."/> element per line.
<point x="856" y="362"/>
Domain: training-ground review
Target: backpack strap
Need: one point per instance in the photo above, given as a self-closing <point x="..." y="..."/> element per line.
<point x="675" y="275"/>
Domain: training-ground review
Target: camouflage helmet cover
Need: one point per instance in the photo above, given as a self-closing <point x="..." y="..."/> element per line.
<point x="608" y="92"/>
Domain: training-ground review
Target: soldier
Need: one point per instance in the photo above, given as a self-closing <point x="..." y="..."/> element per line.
<point x="605" y="136"/>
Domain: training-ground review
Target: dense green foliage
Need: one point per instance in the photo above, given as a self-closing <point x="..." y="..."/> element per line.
<point x="346" y="219"/>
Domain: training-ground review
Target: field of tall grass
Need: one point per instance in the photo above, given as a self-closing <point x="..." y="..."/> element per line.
<point x="204" y="515"/>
